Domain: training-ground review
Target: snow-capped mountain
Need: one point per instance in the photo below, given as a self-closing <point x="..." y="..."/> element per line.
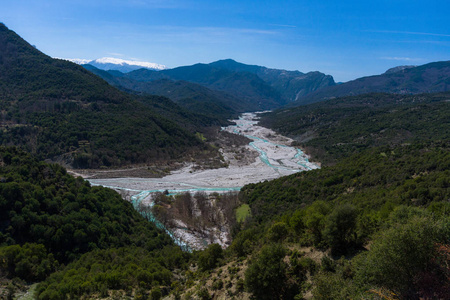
<point x="122" y="65"/>
<point x="79" y="61"/>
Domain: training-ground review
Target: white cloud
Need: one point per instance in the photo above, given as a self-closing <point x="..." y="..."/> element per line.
<point x="207" y="35"/>
<point x="400" y="58"/>
<point x="411" y="33"/>
<point x="283" y="25"/>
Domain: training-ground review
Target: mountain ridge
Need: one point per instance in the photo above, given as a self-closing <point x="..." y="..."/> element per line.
<point x="193" y="97"/>
<point x="250" y="90"/>
<point x="256" y="87"/>
<point x="291" y="84"/>
<point x="278" y="87"/>
<point x="428" y="78"/>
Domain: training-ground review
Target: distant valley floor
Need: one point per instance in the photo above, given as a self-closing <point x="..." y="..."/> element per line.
<point x="267" y="157"/>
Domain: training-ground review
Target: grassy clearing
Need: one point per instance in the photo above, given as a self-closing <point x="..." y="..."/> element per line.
<point x="30" y="294"/>
<point x="243" y="212"/>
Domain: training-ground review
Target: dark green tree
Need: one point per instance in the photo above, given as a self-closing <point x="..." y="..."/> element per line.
<point x="30" y="262"/>
<point x="209" y="258"/>
<point x="340" y="227"/>
<point x="265" y="277"/>
<point x="400" y="256"/>
<point x="278" y="232"/>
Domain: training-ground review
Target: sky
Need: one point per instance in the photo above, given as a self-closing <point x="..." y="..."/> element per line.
<point x="343" y="38"/>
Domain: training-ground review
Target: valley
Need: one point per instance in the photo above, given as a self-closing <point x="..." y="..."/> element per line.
<point x="162" y="185"/>
<point x="275" y="159"/>
<point x="266" y="157"/>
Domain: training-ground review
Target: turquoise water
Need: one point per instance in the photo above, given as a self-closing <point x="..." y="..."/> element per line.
<point x="137" y="199"/>
<point x="302" y="159"/>
<point x="141" y="195"/>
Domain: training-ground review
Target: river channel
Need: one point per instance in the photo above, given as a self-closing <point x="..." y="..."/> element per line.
<point x="275" y="158"/>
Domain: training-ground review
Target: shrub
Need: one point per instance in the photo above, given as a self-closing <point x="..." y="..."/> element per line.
<point x="265" y="277"/>
<point x="209" y="258"/>
<point x="401" y="255"/>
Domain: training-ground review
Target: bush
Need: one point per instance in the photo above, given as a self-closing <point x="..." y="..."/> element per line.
<point x="278" y="232"/>
<point x="330" y="286"/>
<point x="209" y="258"/>
<point x="155" y="294"/>
<point x="203" y="294"/>
<point x="218" y="285"/>
<point x="339" y="232"/>
<point x="265" y="277"/>
<point x="401" y="255"/>
<point x="29" y="262"/>
<point x="240" y="284"/>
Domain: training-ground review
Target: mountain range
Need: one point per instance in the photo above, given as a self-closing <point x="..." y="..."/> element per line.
<point x="292" y="85"/>
<point x="247" y="87"/>
<point x="192" y="96"/>
<point x="261" y="88"/>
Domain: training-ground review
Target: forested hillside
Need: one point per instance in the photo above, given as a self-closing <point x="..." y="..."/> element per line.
<point x="383" y="208"/>
<point x="49" y="219"/>
<point x="292" y="85"/>
<point x="335" y="129"/>
<point x="60" y="111"/>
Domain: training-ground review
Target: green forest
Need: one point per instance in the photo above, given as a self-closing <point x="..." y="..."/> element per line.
<point x="387" y="209"/>
<point x="50" y="220"/>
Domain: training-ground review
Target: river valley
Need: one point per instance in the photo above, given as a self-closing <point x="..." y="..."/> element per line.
<point x="275" y="158"/>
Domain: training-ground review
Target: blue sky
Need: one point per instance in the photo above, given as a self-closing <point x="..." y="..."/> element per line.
<point x="346" y="39"/>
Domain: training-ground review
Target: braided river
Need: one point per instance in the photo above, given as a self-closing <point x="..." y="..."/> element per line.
<point x="275" y="158"/>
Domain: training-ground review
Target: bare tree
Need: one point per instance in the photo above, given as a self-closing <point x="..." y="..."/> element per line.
<point x="202" y="203"/>
<point x="160" y="213"/>
<point x="228" y="203"/>
<point x="184" y="205"/>
<point x="144" y="210"/>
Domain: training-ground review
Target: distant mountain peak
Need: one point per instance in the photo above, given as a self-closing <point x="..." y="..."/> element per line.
<point x="123" y="65"/>
<point x="123" y="62"/>
<point x="78" y="61"/>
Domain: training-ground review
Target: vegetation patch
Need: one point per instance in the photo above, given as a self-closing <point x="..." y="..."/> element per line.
<point x="243" y="212"/>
